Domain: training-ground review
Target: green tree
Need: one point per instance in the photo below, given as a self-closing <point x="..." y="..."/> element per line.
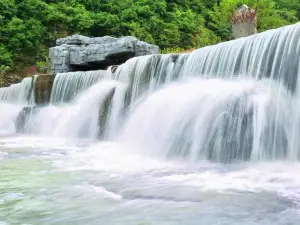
<point x="6" y="57"/>
<point x="29" y="27"/>
<point x="23" y="38"/>
<point x="289" y="5"/>
<point x="269" y="15"/>
<point x="8" y="10"/>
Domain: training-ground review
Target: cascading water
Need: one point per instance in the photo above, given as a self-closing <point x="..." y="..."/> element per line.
<point x="21" y="93"/>
<point x="66" y="108"/>
<point x="216" y="119"/>
<point x="229" y="105"/>
<point x="81" y="118"/>
<point x="225" y="126"/>
<point x="12" y="100"/>
<point x="8" y="114"/>
<point x="172" y="132"/>
<point x="273" y="54"/>
<point x="145" y="74"/>
<point x="67" y="85"/>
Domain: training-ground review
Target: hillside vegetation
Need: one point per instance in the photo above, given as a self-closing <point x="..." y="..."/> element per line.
<point x="29" y="27"/>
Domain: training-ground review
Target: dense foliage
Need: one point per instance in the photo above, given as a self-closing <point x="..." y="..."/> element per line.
<point x="29" y="27"/>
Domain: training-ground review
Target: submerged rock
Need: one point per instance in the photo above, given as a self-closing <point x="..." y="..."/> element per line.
<point x="78" y="52"/>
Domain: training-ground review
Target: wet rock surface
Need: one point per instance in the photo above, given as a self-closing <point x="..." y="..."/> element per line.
<point x="43" y="88"/>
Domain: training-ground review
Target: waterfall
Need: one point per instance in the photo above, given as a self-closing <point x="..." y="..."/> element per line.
<point x="67" y="86"/>
<point x="12" y="100"/>
<point x="236" y="100"/>
<point x="8" y="114"/>
<point x="66" y="106"/>
<point x="215" y="119"/>
<point x="21" y="93"/>
<point x="84" y="117"/>
<point x="274" y="54"/>
<point x="146" y="74"/>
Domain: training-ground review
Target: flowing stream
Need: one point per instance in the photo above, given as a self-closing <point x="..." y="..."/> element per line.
<point x="209" y="137"/>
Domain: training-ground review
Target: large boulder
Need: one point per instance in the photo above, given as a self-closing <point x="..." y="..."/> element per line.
<point x="244" y="22"/>
<point x="78" y="52"/>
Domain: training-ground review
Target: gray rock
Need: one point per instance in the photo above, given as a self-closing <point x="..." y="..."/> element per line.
<point x="244" y="22"/>
<point x="78" y="52"/>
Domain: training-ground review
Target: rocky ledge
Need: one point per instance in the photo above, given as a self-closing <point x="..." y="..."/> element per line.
<point x="78" y="52"/>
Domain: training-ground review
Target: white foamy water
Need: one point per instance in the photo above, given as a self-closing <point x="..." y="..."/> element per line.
<point x="81" y="182"/>
<point x="215" y="119"/>
<point x="156" y="171"/>
<point x="77" y="119"/>
<point x="8" y="114"/>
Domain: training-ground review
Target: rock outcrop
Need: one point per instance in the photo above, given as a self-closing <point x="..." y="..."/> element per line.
<point x="78" y="52"/>
<point x="244" y="22"/>
<point x="42" y="89"/>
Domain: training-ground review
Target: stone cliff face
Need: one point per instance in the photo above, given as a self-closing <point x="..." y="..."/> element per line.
<point x="42" y="89"/>
<point x="80" y="53"/>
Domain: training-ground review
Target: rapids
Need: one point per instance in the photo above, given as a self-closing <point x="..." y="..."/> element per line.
<point x="54" y="181"/>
